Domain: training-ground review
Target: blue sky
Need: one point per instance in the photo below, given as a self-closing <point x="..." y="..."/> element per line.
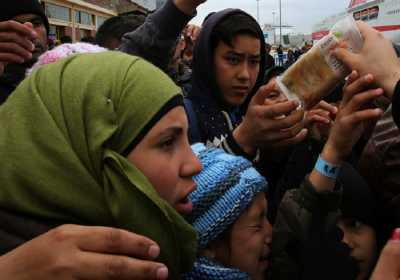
<point x="300" y="13"/>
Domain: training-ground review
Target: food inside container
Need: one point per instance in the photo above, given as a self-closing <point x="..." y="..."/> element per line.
<point x="318" y="72"/>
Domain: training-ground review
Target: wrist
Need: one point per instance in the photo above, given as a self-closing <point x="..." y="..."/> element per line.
<point x="331" y="154"/>
<point x="187" y="7"/>
<point x="390" y="82"/>
<point x="242" y="140"/>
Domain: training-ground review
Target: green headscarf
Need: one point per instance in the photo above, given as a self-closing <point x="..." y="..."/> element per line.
<point x="62" y="135"/>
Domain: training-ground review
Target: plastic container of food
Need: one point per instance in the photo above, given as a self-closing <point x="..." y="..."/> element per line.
<point x="318" y="72"/>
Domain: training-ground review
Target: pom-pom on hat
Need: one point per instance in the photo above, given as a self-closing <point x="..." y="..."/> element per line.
<point x="226" y="187"/>
<point x="63" y="51"/>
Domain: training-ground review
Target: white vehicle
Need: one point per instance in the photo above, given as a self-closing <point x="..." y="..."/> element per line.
<point x="383" y="15"/>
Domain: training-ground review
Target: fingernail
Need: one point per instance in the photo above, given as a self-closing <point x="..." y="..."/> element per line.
<point x="379" y="91"/>
<point x="162" y="273"/>
<point x="369" y="78"/>
<point x="396" y="235"/>
<point x="154" y="251"/>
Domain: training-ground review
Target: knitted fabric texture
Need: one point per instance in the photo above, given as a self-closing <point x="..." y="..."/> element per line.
<point x="225" y="189"/>
<point x="64" y="51"/>
<point x="208" y="269"/>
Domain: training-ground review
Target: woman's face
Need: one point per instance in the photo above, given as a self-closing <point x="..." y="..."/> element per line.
<point x="165" y="157"/>
<point x="361" y="239"/>
<point x="248" y="248"/>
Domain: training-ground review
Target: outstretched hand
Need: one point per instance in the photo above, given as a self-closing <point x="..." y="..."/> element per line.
<point x="72" y="252"/>
<point x="270" y="126"/>
<point x="377" y="57"/>
<point x="353" y="115"/>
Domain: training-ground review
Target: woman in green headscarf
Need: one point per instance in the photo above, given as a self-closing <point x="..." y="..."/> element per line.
<point x="100" y="139"/>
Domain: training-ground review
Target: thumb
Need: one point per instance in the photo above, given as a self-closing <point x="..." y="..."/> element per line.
<point x="347" y="57"/>
<point x="264" y="92"/>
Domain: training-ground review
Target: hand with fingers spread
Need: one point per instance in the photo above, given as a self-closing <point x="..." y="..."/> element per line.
<point x="319" y="119"/>
<point x="377" y="57"/>
<point x="16" y="42"/>
<point x="270" y="125"/>
<point x="354" y="113"/>
<point x="72" y="252"/>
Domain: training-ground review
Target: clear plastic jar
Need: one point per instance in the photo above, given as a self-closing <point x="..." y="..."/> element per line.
<point x="318" y="72"/>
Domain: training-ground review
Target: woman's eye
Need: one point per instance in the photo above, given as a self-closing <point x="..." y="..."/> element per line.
<point x="167" y="143"/>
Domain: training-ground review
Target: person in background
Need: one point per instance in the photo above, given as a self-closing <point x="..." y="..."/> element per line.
<point x="88" y="39"/>
<point x="66" y="39"/>
<point x="279" y="51"/>
<point x="109" y="34"/>
<point x="25" y="22"/>
<point x="23" y="38"/>
<point x="270" y="61"/>
<point x="290" y="59"/>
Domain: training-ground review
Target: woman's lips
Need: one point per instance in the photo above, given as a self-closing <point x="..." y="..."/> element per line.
<point x="184" y="206"/>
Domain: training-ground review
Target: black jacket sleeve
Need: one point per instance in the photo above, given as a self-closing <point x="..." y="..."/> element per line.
<point x="156" y="39"/>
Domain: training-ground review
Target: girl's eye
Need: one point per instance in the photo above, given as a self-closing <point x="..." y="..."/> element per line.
<point x="357" y="224"/>
<point x="233" y="60"/>
<point x="257" y="226"/>
<point x="354" y="224"/>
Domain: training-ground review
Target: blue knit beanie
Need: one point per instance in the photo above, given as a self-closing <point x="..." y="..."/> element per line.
<point x="226" y="187"/>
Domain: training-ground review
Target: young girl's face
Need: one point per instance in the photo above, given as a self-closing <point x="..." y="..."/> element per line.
<point x="248" y="247"/>
<point x="362" y="241"/>
<point x="165" y="157"/>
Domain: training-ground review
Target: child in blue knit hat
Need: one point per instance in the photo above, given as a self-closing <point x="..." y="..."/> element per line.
<point x="229" y="214"/>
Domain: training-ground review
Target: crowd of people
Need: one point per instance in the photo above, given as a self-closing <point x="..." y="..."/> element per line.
<point x="163" y="150"/>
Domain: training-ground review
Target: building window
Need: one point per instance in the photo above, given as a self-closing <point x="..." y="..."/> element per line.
<point x="83" y="18"/>
<point x="57" y="12"/>
<point x="100" y="21"/>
